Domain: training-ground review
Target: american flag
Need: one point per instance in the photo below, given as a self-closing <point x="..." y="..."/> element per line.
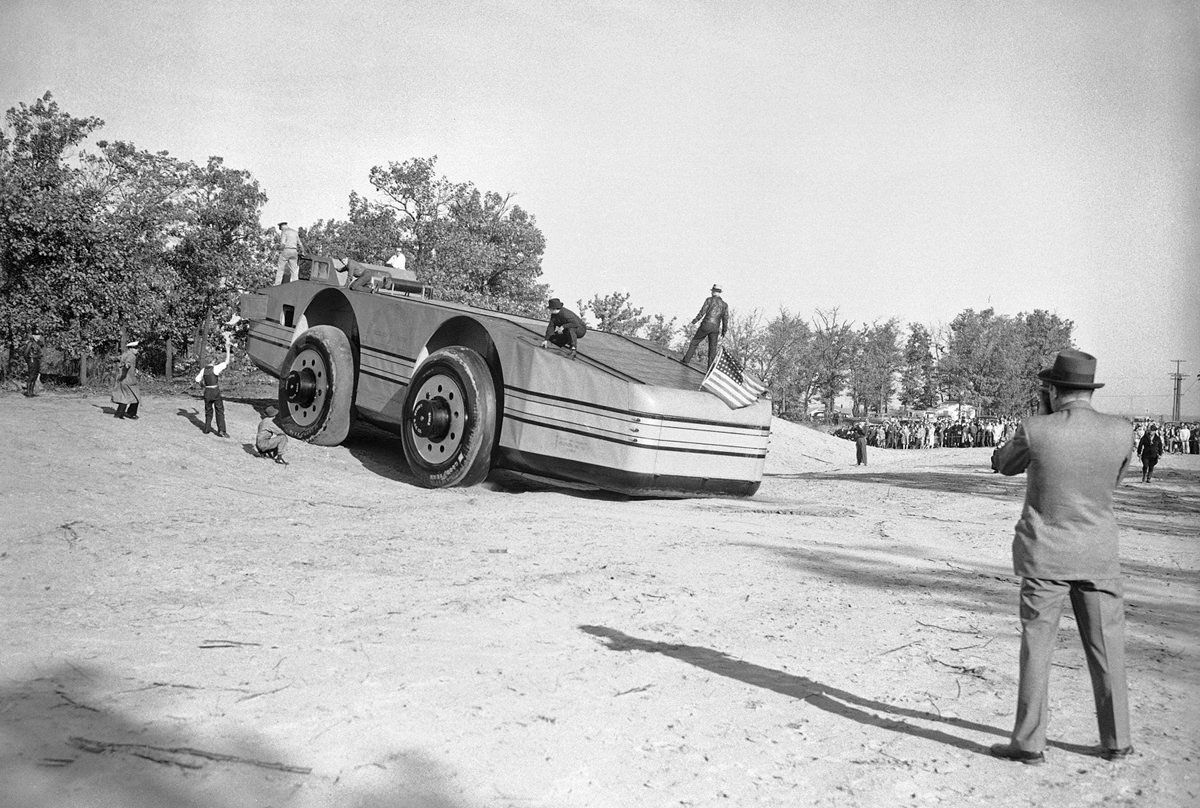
<point x="728" y="382"/>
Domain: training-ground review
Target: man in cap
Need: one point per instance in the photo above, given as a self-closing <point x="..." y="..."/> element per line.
<point x="565" y="328"/>
<point x="1065" y="547"/>
<point x="714" y="322"/>
<point x="126" y="394"/>
<point x="33" y="363"/>
<point x="271" y="440"/>
<point x="1149" y="449"/>
<point x="290" y="248"/>
<point x="210" y="377"/>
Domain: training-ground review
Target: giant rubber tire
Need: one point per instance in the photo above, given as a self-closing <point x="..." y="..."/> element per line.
<point x="319" y="412"/>
<point x="455" y="385"/>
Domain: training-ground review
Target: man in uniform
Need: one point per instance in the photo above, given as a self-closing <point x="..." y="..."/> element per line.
<point x="210" y="377"/>
<point x="33" y="360"/>
<point x="565" y="328"/>
<point x="290" y="247"/>
<point x="1065" y="547"/>
<point x="714" y="322"/>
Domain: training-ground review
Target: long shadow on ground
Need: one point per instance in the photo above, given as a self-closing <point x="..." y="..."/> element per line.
<point x="65" y="740"/>
<point x="830" y="699"/>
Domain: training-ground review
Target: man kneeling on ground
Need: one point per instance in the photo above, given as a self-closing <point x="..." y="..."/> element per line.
<point x="271" y="440"/>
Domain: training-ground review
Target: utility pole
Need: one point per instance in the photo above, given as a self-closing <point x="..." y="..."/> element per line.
<point x="1178" y="377"/>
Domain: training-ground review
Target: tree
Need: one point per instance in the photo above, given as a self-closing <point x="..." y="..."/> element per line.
<point x="661" y="331"/>
<point x="46" y="219"/>
<point x="787" y="364"/>
<point x="222" y="249"/>
<point x="467" y="245"/>
<point x="615" y="314"/>
<point x="918" y="386"/>
<point x="875" y="363"/>
<point x="833" y="349"/>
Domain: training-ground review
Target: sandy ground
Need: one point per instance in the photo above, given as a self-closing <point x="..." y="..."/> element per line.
<point x="188" y="625"/>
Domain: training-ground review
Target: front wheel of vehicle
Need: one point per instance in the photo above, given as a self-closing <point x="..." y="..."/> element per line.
<point x="449" y="420"/>
<point x="316" y="387"/>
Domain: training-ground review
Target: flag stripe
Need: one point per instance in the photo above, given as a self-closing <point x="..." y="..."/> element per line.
<point x="727" y="382"/>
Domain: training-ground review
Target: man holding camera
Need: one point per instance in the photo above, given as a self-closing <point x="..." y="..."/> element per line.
<point x="1065" y="547"/>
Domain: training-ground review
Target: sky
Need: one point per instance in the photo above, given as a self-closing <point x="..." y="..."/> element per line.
<point x="884" y="158"/>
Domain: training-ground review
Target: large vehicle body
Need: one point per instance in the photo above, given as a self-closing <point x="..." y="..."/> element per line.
<point x="468" y="389"/>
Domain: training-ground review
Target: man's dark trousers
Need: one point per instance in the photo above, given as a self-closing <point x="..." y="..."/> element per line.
<point x="714" y="336"/>
<point x="35" y="369"/>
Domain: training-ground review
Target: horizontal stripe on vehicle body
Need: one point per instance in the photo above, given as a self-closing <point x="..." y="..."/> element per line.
<point x="680" y="433"/>
<point x="636" y="443"/>
<point x="683" y="419"/>
<point x="270" y="340"/>
<point x="366" y="371"/>
<point x="409" y="359"/>
<point x="674" y="437"/>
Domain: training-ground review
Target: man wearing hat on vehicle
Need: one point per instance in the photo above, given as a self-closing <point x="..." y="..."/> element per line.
<point x="1065" y="548"/>
<point x="565" y="327"/>
<point x="714" y="322"/>
<point x="271" y="440"/>
<point x="290" y="247"/>
<point x="125" y="393"/>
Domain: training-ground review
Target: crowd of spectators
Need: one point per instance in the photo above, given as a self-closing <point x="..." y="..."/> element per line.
<point x="1177" y="438"/>
<point x="929" y="433"/>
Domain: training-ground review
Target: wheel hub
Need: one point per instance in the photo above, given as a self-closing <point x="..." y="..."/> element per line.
<point x="300" y="387"/>
<point x="431" y="418"/>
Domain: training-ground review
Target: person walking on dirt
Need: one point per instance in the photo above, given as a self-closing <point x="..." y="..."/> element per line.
<point x="1065" y="547"/>
<point x="714" y="322"/>
<point x="126" y="394"/>
<point x="290" y="248"/>
<point x="565" y="328"/>
<point x="210" y="377"/>
<point x="33" y="363"/>
<point x="1149" y="449"/>
<point x="271" y="440"/>
<point x="860" y="445"/>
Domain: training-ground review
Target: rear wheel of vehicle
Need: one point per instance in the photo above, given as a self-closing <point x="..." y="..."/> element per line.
<point x="316" y="387"/>
<point x="449" y="420"/>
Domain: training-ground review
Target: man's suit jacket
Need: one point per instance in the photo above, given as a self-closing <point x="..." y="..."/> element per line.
<point x="1074" y="458"/>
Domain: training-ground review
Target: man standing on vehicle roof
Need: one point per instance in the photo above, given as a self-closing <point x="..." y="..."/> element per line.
<point x="290" y="247"/>
<point x="565" y="327"/>
<point x="1065" y="548"/>
<point x="714" y="322"/>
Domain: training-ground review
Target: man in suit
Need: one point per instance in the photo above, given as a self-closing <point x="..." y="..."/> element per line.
<point x="1065" y="547"/>
<point x="1149" y="449"/>
<point x="565" y="328"/>
<point x="33" y="359"/>
<point x="714" y="322"/>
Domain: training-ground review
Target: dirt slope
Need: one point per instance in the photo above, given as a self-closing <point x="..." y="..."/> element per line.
<point x="187" y="625"/>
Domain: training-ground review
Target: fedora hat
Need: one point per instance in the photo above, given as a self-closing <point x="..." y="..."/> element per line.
<point x="271" y="412"/>
<point x="554" y="303"/>
<point x="716" y="289"/>
<point x="1072" y="369"/>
